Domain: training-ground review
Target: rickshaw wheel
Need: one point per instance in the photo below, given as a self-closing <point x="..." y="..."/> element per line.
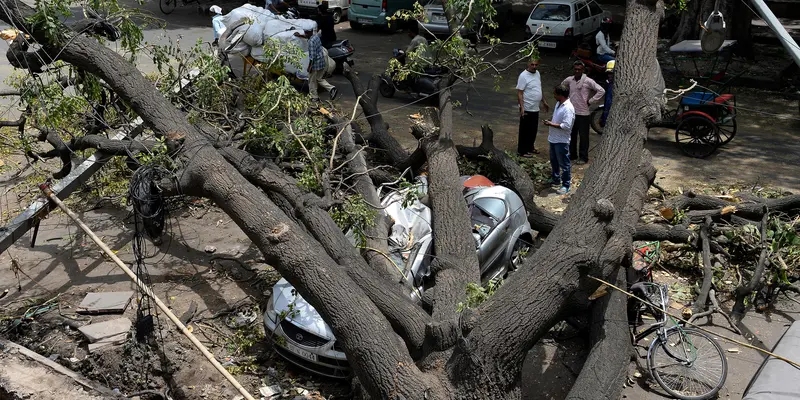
<point x="727" y="127"/>
<point x="697" y="136"/>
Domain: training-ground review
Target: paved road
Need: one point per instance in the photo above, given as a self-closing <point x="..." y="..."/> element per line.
<point x="765" y="151"/>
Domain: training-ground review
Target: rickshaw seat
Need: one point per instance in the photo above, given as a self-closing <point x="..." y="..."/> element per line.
<point x="703" y="98"/>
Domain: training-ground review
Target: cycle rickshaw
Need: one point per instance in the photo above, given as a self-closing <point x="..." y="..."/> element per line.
<point x="704" y="119"/>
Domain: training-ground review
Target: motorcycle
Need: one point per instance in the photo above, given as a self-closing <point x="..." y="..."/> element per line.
<point x="424" y="86"/>
<point x="594" y="69"/>
<point x="340" y="52"/>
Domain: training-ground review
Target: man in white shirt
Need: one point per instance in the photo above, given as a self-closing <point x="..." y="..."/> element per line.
<point x="559" y="137"/>
<point x="529" y="96"/>
<point x="604" y="51"/>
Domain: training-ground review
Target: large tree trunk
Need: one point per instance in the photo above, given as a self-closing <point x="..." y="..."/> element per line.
<point x="594" y="221"/>
<point x="479" y="352"/>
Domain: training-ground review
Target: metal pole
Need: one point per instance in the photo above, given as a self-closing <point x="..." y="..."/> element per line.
<point x="780" y="31"/>
<point x="149" y="292"/>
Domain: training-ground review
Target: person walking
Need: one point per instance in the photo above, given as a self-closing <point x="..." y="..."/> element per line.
<point x="559" y="138"/>
<point x="583" y="92"/>
<point x="529" y="97"/>
<point x="316" y="67"/>
<point x="216" y="22"/>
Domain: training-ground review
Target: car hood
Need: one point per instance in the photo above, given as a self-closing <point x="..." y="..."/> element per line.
<point x="306" y="316"/>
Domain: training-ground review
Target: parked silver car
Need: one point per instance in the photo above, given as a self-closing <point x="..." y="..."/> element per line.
<point x="502" y="237"/>
<point x="436" y="23"/>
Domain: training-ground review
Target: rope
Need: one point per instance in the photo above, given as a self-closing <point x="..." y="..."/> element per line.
<point x="700" y="328"/>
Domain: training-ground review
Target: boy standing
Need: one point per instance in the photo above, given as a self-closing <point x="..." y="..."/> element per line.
<point x="559" y="138"/>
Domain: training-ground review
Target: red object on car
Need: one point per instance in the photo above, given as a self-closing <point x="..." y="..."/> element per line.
<point x="477" y="181"/>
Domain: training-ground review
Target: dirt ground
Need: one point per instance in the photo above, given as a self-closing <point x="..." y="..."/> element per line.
<point x="64" y="264"/>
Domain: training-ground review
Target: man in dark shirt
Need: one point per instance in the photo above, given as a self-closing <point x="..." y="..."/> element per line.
<point x="325" y="23"/>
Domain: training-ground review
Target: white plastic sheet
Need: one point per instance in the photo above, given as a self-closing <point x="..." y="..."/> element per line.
<point x="257" y="26"/>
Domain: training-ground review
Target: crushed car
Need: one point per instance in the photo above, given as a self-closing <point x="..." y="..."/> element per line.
<point x="502" y="236"/>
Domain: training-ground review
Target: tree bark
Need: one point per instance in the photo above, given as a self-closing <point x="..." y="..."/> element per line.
<point x="743" y="291"/>
<point x="378" y="326"/>
<point x="522" y="312"/>
<point x="376" y="353"/>
<point x="604" y="372"/>
<point x="708" y="273"/>
<point x="456" y="263"/>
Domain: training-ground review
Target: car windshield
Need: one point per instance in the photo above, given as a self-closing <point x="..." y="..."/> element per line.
<point x="551" y="12"/>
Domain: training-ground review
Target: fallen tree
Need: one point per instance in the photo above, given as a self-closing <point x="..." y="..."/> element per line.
<point x="238" y="143"/>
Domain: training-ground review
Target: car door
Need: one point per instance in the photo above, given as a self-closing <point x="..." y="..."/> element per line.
<point x="492" y="245"/>
<point x="583" y="21"/>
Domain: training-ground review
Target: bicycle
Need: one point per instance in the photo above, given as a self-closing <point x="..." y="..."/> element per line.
<point x="687" y="363"/>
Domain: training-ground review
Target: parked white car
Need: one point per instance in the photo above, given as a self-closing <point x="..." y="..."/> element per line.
<point x="338" y="8"/>
<point x="502" y="238"/>
<point x="564" y="23"/>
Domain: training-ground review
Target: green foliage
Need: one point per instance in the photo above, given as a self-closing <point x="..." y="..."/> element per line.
<point x="157" y="156"/>
<point x="355" y="215"/>
<point x="477" y="294"/>
<point x="454" y="53"/>
<point x="240" y="344"/>
<point x="679" y="5"/>
<point x="47" y="18"/>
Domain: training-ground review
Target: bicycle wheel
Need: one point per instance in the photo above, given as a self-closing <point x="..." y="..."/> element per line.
<point x="697" y="136"/>
<point x="167" y="6"/>
<point x="689" y="366"/>
<point x="727" y="127"/>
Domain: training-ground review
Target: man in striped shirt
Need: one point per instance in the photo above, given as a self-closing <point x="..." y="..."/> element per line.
<point x="317" y="62"/>
<point x="583" y="92"/>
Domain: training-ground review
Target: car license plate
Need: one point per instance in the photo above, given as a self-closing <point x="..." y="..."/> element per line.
<point x="300" y="352"/>
<point x="547" y="45"/>
<point x="438" y="18"/>
<point x="365" y="21"/>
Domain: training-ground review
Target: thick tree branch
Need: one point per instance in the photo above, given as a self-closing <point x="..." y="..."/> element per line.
<point x="708" y="273"/>
<point x="407" y="318"/>
<point x="398" y="156"/>
<point x="743" y="291"/>
<point x="522" y="312"/>
<point x="456" y="262"/>
<point x="604" y="372"/>
<point x="378" y="356"/>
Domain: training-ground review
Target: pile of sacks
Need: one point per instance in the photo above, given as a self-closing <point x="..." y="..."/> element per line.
<point x="248" y="28"/>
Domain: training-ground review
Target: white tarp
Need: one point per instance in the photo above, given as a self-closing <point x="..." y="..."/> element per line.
<point x="250" y="27"/>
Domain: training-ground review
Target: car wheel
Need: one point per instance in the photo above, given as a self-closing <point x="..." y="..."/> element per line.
<point x="337" y="16"/>
<point x="518" y="253"/>
<point x="355" y="25"/>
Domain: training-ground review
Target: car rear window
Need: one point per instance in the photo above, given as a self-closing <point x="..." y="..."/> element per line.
<point x="551" y="12"/>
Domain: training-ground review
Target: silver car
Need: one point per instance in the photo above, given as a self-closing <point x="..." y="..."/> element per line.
<point x="502" y="237"/>
<point x="436" y="20"/>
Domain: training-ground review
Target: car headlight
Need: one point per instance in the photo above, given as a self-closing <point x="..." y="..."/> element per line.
<point x="271" y="309"/>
